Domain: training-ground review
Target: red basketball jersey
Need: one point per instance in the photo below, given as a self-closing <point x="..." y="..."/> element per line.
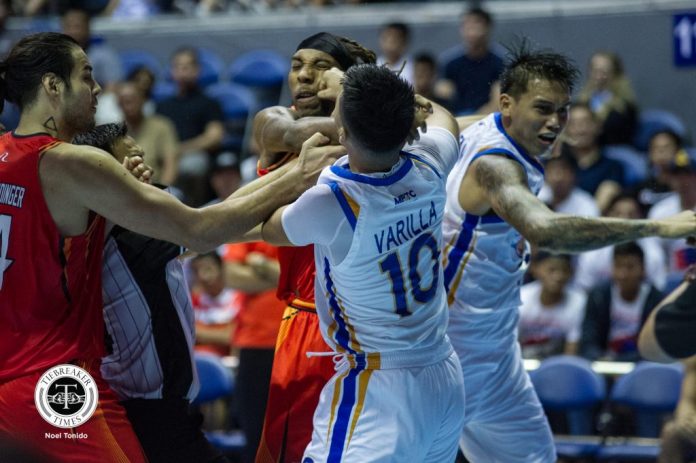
<point x="297" y="271"/>
<point x="50" y="285"/>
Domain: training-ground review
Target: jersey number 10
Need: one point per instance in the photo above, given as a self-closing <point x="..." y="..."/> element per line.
<point x="391" y="265"/>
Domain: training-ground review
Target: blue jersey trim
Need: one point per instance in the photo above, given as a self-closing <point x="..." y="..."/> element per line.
<point x="345" y="409"/>
<point x="420" y="159"/>
<point x="343" y="202"/>
<point x="346" y="173"/>
<point x="342" y="335"/>
<point x="522" y="151"/>
<point x="460" y="248"/>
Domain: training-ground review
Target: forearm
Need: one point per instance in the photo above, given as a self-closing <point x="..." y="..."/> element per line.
<point x="242" y="277"/>
<point x="229" y="220"/>
<point x="219" y="335"/>
<point x="567" y="233"/>
<point x="207" y="141"/>
<point x="301" y="129"/>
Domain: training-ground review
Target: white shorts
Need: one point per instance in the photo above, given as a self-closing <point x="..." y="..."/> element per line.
<point x="390" y="415"/>
<point x="504" y="420"/>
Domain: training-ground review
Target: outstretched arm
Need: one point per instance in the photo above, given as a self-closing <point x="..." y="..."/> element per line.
<point x="278" y="130"/>
<point x="80" y="178"/>
<point x="500" y="183"/>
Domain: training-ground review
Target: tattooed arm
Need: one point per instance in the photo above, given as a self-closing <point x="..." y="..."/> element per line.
<point x="500" y="184"/>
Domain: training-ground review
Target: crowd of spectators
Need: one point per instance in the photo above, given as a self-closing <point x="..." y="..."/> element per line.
<point x="592" y="304"/>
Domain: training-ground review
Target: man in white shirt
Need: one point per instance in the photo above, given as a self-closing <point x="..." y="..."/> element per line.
<point x="552" y="310"/>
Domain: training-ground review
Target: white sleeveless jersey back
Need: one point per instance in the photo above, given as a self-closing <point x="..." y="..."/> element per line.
<point x="387" y="294"/>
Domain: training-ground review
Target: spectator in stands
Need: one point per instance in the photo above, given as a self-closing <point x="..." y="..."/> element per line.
<point x="662" y="151"/>
<point x="609" y="94"/>
<point x="594" y="267"/>
<point x="106" y="64"/>
<point x="552" y="311"/>
<point x="156" y="134"/>
<point x="199" y="123"/>
<point x="617" y="310"/>
<point x="131" y="9"/>
<point x="679" y="435"/>
<point x="144" y="78"/>
<point x="253" y="270"/>
<point x="425" y="77"/>
<point x="215" y="306"/>
<point x="598" y="175"/>
<point x="394" y="39"/>
<point x="55" y="7"/>
<point x="467" y="78"/>
<point x="559" y="191"/>
<point x="683" y="171"/>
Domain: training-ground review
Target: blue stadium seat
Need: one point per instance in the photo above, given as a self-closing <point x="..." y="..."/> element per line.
<point x="163" y="90"/>
<point x="217" y="382"/>
<point x="215" y="378"/>
<point x="238" y="105"/>
<point x="10" y="116"/>
<point x="259" y="68"/>
<point x="212" y="67"/>
<point x="634" y="162"/>
<point x="262" y="71"/>
<point x="654" y="120"/>
<point x="652" y="391"/>
<point x="133" y="59"/>
<point x="568" y="384"/>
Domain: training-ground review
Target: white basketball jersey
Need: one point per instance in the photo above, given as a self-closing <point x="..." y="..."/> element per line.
<point x="484" y="257"/>
<point x="387" y="294"/>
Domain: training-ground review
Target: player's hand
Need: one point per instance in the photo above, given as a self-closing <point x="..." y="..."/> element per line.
<point x="422" y="109"/>
<point x="682" y="225"/>
<point x="137" y="167"/>
<point x="330" y="85"/>
<point x="316" y="154"/>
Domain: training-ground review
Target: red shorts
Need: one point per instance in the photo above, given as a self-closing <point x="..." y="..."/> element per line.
<point x="296" y="382"/>
<point x="110" y="437"/>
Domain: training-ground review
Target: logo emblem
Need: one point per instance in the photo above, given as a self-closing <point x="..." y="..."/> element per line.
<point x="66" y="396"/>
<point x="4" y="156"/>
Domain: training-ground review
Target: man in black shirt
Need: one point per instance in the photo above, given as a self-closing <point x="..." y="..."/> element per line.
<point x="198" y="120"/>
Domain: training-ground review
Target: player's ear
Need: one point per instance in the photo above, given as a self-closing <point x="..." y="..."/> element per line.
<point x="506" y="104"/>
<point x="341" y="135"/>
<point x="51" y="83"/>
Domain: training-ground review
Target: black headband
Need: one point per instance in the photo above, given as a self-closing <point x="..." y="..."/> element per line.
<point x="331" y="45"/>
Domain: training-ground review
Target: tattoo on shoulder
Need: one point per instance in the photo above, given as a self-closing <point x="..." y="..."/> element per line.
<point x="50" y="124"/>
<point x="493" y="172"/>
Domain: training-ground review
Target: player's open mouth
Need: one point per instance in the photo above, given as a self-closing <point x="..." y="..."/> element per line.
<point x="548" y="138"/>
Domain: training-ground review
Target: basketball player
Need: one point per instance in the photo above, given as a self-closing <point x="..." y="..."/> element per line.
<point x="376" y="225"/>
<point x="492" y="209"/>
<point x="296" y="381"/>
<point x="55" y="196"/>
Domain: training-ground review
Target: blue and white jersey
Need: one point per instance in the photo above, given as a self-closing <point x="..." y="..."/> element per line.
<point x="484" y="257"/>
<point x="379" y="288"/>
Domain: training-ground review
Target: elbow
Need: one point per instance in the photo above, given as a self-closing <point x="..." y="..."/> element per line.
<point x="539" y="234"/>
